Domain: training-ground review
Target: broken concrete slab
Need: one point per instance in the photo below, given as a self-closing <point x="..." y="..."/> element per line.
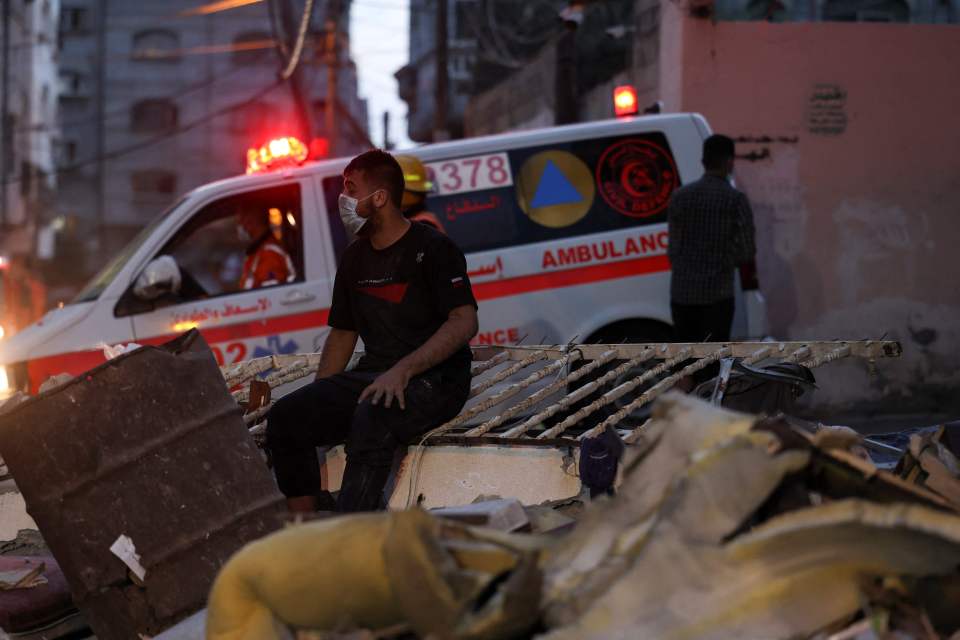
<point x="503" y="515"/>
<point x="687" y="513"/>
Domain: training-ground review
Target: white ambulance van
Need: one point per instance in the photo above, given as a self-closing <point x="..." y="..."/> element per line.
<point x="564" y="230"/>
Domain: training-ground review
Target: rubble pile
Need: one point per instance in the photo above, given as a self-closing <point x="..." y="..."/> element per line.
<point x="729" y="526"/>
<point x="724" y="525"/>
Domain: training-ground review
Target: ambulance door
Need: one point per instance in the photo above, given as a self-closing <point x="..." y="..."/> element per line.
<point x="243" y="309"/>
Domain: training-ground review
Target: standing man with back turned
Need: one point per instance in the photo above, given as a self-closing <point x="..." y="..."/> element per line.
<point x="403" y="288"/>
<point x="711" y="234"/>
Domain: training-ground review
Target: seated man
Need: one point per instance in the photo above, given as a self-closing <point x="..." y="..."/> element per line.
<point x="267" y="262"/>
<point x="404" y="289"/>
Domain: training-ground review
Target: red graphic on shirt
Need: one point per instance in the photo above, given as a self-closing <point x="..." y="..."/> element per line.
<point x="390" y="292"/>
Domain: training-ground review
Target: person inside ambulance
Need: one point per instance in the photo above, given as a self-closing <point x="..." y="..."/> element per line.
<point x="416" y="188"/>
<point x="267" y="262"/>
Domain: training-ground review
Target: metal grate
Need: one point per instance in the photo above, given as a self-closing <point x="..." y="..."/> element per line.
<point x="537" y="395"/>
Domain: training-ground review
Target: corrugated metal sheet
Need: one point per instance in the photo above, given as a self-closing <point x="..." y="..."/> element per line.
<point x="150" y="445"/>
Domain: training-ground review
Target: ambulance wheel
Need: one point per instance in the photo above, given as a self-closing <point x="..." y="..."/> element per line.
<point x="629" y="332"/>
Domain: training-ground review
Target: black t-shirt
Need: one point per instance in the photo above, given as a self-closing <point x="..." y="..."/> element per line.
<point x="396" y="298"/>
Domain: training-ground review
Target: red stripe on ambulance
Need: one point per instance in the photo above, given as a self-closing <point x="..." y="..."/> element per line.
<point x="76" y="362"/>
<point x="79" y="361"/>
<point x="571" y="277"/>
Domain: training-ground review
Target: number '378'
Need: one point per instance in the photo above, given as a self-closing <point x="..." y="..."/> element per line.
<point x="471" y="174"/>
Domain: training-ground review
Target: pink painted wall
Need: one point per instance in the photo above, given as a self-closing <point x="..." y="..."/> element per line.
<point x="856" y="193"/>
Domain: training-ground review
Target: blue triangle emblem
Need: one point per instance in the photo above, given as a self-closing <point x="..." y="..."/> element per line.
<point x="554" y="188"/>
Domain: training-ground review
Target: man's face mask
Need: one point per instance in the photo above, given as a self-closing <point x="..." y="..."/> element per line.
<point x="352" y="220"/>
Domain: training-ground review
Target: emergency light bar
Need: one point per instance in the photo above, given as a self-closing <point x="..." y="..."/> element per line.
<point x="278" y="153"/>
<point x="625" y="101"/>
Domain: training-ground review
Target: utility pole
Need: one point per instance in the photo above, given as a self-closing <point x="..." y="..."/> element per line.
<point x="331" y="49"/>
<point x="387" y="145"/>
<point x="101" y="147"/>
<point x="300" y="99"/>
<point x="4" y="109"/>
<point x="333" y="63"/>
<point x="565" y="93"/>
<point x="440" y="130"/>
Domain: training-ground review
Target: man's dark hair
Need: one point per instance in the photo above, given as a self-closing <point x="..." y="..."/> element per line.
<point x="716" y="150"/>
<point x="382" y="170"/>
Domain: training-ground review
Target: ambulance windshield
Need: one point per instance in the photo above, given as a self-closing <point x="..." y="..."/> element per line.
<point x="99" y="282"/>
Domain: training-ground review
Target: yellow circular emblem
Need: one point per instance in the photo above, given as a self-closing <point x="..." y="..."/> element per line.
<point x="555" y="188"/>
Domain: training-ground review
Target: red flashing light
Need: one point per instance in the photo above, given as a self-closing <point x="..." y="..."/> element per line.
<point x="276" y="154"/>
<point x="319" y="148"/>
<point x="625" y="101"/>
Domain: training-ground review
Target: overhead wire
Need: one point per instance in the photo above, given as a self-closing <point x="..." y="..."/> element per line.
<point x="301" y="37"/>
<point x="275" y="28"/>
<point x="216" y="7"/>
<point x="173" y="97"/>
<point x="117" y="153"/>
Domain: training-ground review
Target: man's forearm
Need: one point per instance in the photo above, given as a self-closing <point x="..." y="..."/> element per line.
<point x="452" y="335"/>
<point x="337" y="351"/>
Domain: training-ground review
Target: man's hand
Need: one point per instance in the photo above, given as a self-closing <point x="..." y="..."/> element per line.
<point x="460" y="326"/>
<point x="388" y="385"/>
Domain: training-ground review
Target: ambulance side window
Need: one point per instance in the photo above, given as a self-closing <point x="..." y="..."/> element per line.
<point x="332" y="188"/>
<point x="245" y="241"/>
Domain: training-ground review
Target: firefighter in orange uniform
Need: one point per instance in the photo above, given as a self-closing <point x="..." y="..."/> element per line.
<point x="267" y="262"/>
<point x="416" y="186"/>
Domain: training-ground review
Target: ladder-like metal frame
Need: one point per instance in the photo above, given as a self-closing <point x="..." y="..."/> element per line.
<point x="505" y="376"/>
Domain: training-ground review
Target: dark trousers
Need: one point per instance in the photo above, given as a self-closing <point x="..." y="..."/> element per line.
<point x="325" y="413"/>
<point x="703" y="323"/>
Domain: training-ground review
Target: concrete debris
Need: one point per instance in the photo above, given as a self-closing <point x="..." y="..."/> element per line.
<point x="27" y="542"/>
<point x="111" y="352"/>
<point x="724" y="525"/>
<point x="25" y="578"/>
<point x="55" y="382"/>
<point x="930" y="462"/>
<point x="751" y="531"/>
<point x="503" y="515"/>
<point x="549" y="519"/>
<point x="124" y="549"/>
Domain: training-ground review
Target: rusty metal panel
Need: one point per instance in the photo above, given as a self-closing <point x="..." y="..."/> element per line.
<point x="152" y="446"/>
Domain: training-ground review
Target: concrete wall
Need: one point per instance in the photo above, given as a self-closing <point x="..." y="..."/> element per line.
<point x="852" y="163"/>
<point x="524" y="100"/>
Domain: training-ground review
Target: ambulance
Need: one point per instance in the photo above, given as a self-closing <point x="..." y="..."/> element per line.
<point x="564" y="230"/>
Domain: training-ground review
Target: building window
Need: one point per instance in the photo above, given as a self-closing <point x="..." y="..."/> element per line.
<point x="74" y="19"/>
<point x="73" y="84"/>
<point x="68" y="153"/>
<point x="252" y="47"/>
<point x="10" y="124"/>
<point x="463" y="16"/>
<point x="153" y="181"/>
<point x="153" y="115"/>
<point x="156" y="44"/>
<point x="866" y="11"/>
<point x="769" y="10"/>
